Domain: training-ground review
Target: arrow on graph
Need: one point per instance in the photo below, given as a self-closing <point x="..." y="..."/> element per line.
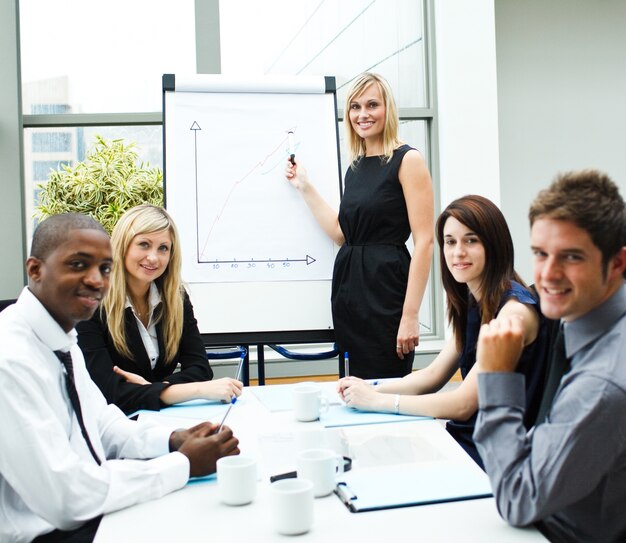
<point x="308" y="260"/>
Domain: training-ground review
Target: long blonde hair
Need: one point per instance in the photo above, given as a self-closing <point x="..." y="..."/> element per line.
<point x="356" y="144"/>
<point x="145" y="219"/>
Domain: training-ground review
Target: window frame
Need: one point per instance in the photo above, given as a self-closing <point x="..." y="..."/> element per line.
<point x="208" y="61"/>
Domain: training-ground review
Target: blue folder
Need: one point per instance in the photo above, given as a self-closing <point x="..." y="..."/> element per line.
<point x="342" y="415"/>
<point x="192" y="409"/>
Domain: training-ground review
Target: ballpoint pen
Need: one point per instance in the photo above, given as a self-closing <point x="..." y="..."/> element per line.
<point x="241" y="360"/>
<point x="233" y="400"/>
<point x="346" y="364"/>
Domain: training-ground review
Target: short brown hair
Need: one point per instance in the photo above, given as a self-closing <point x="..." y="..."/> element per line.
<point x="590" y="200"/>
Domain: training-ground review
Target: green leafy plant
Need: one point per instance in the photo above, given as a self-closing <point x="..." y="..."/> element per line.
<point x="106" y="184"/>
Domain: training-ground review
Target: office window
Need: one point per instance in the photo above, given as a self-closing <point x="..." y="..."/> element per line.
<point x="149" y="140"/>
<point x="53" y="153"/>
<point x="49" y="109"/>
<point x="41" y="168"/>
<point x="101" y="57"/>
<point x="415" y="132"/>
<point x="85" y="62"/>
<point x="336" y="38"/>
<point x="53" y="142"/>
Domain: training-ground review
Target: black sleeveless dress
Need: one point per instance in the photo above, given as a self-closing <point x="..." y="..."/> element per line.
<point x="372" y="268"/>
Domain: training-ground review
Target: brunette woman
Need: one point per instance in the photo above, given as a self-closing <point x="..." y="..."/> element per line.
<point x="481" y="284"/>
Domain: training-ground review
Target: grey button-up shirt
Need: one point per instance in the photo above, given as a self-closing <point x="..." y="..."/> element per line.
<point x="569" y="473"/>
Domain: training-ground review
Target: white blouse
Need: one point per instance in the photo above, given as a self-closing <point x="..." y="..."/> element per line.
<point x="149" y="334"/>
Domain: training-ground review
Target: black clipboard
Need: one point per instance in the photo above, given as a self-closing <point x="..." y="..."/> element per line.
<point x="409" y="485"/>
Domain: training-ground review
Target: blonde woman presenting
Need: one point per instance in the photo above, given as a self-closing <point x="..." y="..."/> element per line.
<point x="377" y="286"/>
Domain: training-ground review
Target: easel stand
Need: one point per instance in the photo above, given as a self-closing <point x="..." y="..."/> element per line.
<point x="236" y="342"/>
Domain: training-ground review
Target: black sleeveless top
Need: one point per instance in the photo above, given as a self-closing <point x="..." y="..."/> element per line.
<point x="531" y="365"/>
<point x="371" y="268"/>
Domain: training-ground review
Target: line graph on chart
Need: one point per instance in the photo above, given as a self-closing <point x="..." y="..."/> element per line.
<point x="251" y="222"/>
<point x="265" y="166"/>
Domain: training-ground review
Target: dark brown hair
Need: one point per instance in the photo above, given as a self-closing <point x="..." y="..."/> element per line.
<point x="483" y="218"/>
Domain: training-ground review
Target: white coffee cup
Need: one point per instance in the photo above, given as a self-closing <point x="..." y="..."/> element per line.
<point x="237" y="479"/>
<point x="320" y="466"/>
<point x="291" y="503"/>
<point x="308" y="402"/>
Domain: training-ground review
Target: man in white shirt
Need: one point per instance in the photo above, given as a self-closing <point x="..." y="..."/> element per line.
<point x="58" y="475"/>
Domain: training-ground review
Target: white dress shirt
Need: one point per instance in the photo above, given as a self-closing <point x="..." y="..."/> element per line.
<point x="149" y="335"/>
<point x="48" y="478"/>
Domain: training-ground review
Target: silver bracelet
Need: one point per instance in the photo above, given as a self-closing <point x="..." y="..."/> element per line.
<point x="396" y="404"/>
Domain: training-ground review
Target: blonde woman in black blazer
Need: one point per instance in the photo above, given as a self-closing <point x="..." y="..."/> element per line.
<point x="146" y="329"/>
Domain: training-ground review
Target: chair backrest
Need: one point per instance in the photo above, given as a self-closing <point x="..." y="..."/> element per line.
<point x="6" y="303"/>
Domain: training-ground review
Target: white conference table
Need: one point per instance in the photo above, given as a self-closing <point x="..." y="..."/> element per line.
<point x="195" y="513"/>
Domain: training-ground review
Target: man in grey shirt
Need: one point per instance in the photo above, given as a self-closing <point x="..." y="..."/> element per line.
<point x="568" y="473"/>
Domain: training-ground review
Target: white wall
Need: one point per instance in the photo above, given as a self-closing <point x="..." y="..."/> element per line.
<point x="562" y="98"/>
<point x="467" y="99"/>
<point x="527" y="90"/>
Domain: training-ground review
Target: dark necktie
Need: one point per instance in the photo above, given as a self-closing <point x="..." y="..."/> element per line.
<point x="70" y="385"/>
<point x="559" y="366"/>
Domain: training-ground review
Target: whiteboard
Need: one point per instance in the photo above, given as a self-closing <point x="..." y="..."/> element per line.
<point x="254" y="258"/>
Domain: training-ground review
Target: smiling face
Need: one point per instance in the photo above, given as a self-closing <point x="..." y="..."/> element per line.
<point x="367" y="116"/>
<point x="464" y="254"/>
<point x="147" y="258"/>
<point x="568" y="270"/>
<point x="73" y="278"/>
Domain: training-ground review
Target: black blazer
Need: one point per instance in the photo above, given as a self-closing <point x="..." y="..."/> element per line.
<point x="100" y="356"/>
